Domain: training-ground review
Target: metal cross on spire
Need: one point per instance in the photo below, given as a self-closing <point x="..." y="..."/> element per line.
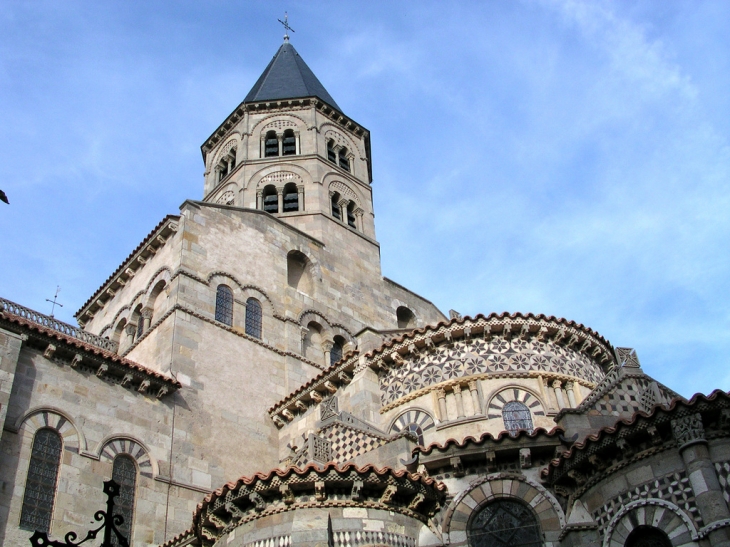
<point x="285" y="22"/>
<point x="55" y="301"/>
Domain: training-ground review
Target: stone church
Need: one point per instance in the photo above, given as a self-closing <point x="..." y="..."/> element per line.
<point x="251" y="379"/>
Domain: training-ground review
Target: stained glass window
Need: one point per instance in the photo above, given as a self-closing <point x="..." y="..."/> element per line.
<point x="336" y="352"/>
<point x="647" y="536"/>
<point x="224" y="305"/>
<point x="516" y="416"/>
<point x="40" y="486"/>
<point x="253" y="318"/>
<point x="504" y="523"/>
<point x="125" y="474"/>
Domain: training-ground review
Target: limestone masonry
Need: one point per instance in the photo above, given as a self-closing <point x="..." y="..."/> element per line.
<point x="251" y="379"/>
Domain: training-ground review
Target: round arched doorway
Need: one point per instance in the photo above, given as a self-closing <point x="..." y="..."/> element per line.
<point x="504" y="523"/>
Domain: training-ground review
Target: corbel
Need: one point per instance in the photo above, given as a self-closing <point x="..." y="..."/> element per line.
<point x="130" y="272"/>
<point x="162" y="391"/>
<point x="344" y="377"/>
<point x="142" y="260"/>
<point x="319" y="492"/>
<point x="144" y="386"/>
<point x="50" y="350"/>
<point x="467" y="333"/>
<point x="430" y="346"/>
<point x="127" y="379"/>
<point x="573" y="340"/>
<point x="491" y="457"/>
<point x="259" y="502"/>
<point x="625" y="447"/>
<point x="586" y="345"/>
<point x="76" y="361"/>
<point x="356" y="493"/>
<point x="597" y="462"/>
<point x="152" y="250"/>
<point x="111" y="292"/>
<point x="278" y="421"/>
<point x="388" y="494"/>
<point x="286" y="494"/>
<point x="656" y="438"/>
<point x="724" y="421"/>
<point x="287" y="414"/>
<point x="412" y="349"/>
<point x="448" y="338"/>
<point x="577" y="476"/>
<point x="300" y="405"/>
<point x="596" y="351"/>
<point x="397" y="358"/>
<point x="542" y="334"/>
<point x="525" y="458"/>
<point x="506" y="329"/>
<point x="458" y="466"/>
<point x="487" y="333"/>
<point x="161" y="240"/>
<point x="416" y="501"/>
<point x="121" y="281"/>
<point x="559" y="335"/>
<point x="525" y="330"/>
<point x="99" y="303"/>
<point x="316" y="396"/>
<point x="329" y="386"/>
<point x="102" y="370"/>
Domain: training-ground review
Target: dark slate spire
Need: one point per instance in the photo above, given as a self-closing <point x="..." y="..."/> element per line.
<point x="288" y="77"/>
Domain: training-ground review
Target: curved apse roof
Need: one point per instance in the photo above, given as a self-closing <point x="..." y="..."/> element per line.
<point x="288" y="77"/>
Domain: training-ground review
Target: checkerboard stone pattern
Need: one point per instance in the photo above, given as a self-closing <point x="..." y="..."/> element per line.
<point x="723" y="474"/>
<point x="347" y="442"/>
<point x="625" y="398"/>
<point x="674" y="488"/>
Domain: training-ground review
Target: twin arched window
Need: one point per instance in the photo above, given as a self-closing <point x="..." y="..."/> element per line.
<point x="338" y="156"/>
<point x="40" y="484"/>
<point x="226" y="165"/>
<point x="289" y="198"/>
<point x="288" y="144"/>
<point x="224" y="311"/>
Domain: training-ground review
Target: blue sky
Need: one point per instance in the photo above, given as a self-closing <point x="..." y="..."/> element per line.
<point x="560" y="157"/>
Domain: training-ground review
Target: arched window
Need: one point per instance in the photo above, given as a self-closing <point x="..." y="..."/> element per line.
<point x="289" y="143"/>
<point x="351" y="214"/>
<point x="271" y="145"/>
<point x="291" y="197"/>
<point x="337" y="349"/>
<point x="335" y="201"/>
<point x="40" y="486"/>
<point x="504" y="523"/>
<point x="516" y="416"/>
<point x="647" y="536"/>
<point x="271" y="199"/>
<point x="299" y="275"/>
<point x="226" y="165"/>
<point x="124" y="473"/>
<point x="224" y="305"/>
<point x="405" y="318"/>
<point x="344" y="161"/>
<point x="331" y="154"/>
<point x="253" y="318"/>
<point x="140" y="327"/>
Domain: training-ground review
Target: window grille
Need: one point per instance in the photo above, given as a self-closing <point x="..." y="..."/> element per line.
<point x="289" y="144"/>
<point x="504" y="523"/>
<point x="336" y="352"/>
<point x="271" y="145"/>
<point x="124" y="473"/>
<point x="344" y="162"/>
<point x="291" y="198"/>
<point x="336" y="207"/>
<point x="224" y="305"/>
<point x="516" y="416"/>
<point x="253" y="318"/>
<point x="331" y="152"/>
<point x="40" y="486"/>
<point x="647" y="536"/>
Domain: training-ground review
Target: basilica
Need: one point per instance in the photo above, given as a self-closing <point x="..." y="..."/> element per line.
<point x="249" y="378"/>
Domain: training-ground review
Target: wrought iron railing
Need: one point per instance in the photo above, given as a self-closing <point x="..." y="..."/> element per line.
<point x="60" y="326"/>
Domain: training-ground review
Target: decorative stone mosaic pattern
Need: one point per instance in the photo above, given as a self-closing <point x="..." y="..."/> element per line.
<point x="723" y="474"/>
<point x="355" y="538"/>
<point x="625" y="398"/>
<point x="481" y="356"/>
<point x="348" y="443"/>
<point x="674" y="488"/>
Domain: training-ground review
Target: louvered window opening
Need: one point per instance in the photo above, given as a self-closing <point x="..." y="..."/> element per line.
<point x="331" y="155"/>
<point x="40" y="486"/>
<point x="289" y="144"/>
<point x="271" y="145"/>
<point x="224" y="305"/>
<point x="351" y="217"/>
<point x="271" y="203"/>
<point x="253" y="318"/>
<point x="344" y="162"/>
<point x="291" y="201"/>
<point x="516" y="416"/>
<point x="336" y="207"/>
<point x="125" y="474"/>
<point x="504" y="523"/>
<point x="335" y="353"/>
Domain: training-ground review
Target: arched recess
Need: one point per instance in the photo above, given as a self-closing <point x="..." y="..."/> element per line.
<point x="155" y="296"/>
<point x="53" y="418"/>
<point x="300" y="272"/>
<point x="312" y="342"/>
<point x="113" y="446"/>
<point x="330" y="131"/>
<point x="505" y="395"/>
<point x="415" y="420"/>
<point x="658" y="513"/>
<point x="336" y="185"/>
<point x="484" y="490"/>
<point x="278" y="175"/>
<point x="405" y="318"/>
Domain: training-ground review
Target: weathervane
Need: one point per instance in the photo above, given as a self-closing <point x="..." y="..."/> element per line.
<point x="55" y="300"/>
<point x="285" y="22"/>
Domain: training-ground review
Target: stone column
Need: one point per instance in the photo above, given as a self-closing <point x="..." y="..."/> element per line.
<point x="441" y="394"/>
<point x="559" y="394"/>
<point x="298" y="145"/>
<point x="280" y="138"/>
<point x="571" y="394"/>
<point x="690" y="435"/>
<point x="459" y="401"/>
<point x="300" y="195"/>
<point x="358" y="219"/>
<point x="327" y="346"/>
<point x="280" y="195"/>
<point x="260" y="199"/>
<point x="475" y="397"/>
<point x="130" y="330"/>
<point x="342" y="204"/>
<point x="146" y="318"/>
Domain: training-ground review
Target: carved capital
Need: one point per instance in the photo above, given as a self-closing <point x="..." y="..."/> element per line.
<point x="146" y="313"/>
<point x="130" y="329"/>
<point x="441" y="393"/>
<point x="557" y="384"/>
<point x="688" y="430"/>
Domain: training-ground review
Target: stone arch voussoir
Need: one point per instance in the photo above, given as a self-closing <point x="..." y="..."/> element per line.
<point x="59" y="421"/>
<point x="655" y="512"/>
<point x="113" y="446"/>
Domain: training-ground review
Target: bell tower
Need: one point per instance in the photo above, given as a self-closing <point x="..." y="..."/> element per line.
<point x="289" y="150"/>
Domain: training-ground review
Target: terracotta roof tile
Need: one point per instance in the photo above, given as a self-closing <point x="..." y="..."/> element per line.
<point x="538" y="432"/>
